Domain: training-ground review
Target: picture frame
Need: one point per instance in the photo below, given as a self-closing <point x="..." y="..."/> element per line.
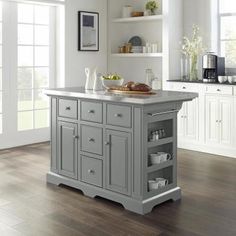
<point x="88" y="23"/>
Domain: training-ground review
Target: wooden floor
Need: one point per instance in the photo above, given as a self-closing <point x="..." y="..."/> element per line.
<point x="29" y="206"/>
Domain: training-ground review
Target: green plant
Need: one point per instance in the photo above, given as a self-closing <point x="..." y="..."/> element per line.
<point x="151" y="5"/>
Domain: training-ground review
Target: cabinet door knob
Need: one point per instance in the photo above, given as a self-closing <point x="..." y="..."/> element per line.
<point x="90" y="171"/>
<point x="217" y="121"/>
<point x="218" y="90"/>
<point x="91" y="111"/>
<point x="92" y="140"/>
<point x="68" y="108"/>
<point x="184" y="87"/>
<point x="118" y="115"/>
<point x="76" y="137"/>
<point x="107" y="143"/>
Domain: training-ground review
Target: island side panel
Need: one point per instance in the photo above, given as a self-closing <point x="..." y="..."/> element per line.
<point x="54" y="159"/>
<point x="138" y="151"/>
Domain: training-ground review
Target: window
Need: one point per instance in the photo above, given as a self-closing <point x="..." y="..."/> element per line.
<point x="227" y="31"/>
<point x="27" y="66"/>
<point x="33" y="66"/>
<point x="0" y="67"/>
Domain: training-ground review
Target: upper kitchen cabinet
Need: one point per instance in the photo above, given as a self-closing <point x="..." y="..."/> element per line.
<point x="163" y="31"/>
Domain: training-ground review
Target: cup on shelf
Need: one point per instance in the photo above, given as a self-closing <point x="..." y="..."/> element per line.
<point x="160" y="157"/>
<point x="152" y="185"/>
<point x="162" y="182"/>
<point x="127" y="11"/>
<point x="164" y="156"/>
<point x="154" y="48"/>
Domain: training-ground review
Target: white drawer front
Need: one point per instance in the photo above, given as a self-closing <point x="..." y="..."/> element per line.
<point x="183" y="87"/>
<point x="217" y="89"/>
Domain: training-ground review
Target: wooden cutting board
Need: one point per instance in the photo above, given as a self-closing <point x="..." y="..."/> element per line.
<point x="131" y="92"/>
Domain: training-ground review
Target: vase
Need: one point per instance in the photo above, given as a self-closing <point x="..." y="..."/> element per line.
<point x="193" y="70"/>
<point x="184" y="68"/>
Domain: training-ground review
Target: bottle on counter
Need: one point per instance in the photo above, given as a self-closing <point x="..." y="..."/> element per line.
<point x="149" y="77"/>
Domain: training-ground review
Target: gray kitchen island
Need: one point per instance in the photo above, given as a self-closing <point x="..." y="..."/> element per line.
<point x="101" y="143"/>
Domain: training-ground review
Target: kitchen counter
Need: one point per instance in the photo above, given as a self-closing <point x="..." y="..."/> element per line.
<point x="101" y="144"/>
<point x="159" y="97"/>
<point x="200" y="82"/>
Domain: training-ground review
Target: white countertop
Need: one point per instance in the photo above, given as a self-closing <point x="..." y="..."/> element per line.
<point x="159" y="97"/>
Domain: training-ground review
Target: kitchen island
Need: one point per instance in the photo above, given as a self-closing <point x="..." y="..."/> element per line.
<point x="101" y="143"/>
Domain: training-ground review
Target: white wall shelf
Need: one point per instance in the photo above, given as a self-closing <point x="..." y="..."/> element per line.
<point x="138" y="19"/>
<point x="137" y="54"/>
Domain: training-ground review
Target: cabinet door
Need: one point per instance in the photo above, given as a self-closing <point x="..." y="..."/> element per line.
<point x="181" y="116"/>
<point x="118" y="161"/>
<point x="212" y="120"/>
<point x="225" y="120"/>
<point x="68" y="149"/>
<point x="191" y="119"/>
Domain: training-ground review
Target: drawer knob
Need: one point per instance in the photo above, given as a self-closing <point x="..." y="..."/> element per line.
<point x="68" y="108"/>
<point x="218" y="90"/>
<point x="118" y="115"/>
<point x="90" y="171"/>
<point x="91" y="140"/>
<point x="184" y="87"/>
<point x="91" y="111"/>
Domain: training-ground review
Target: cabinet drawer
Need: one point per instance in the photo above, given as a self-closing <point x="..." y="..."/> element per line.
<point x="119" y="115"/>
<point x="223" y="90"/>
<point x="183" y="87"/>
<point x="91" y="171"/>
<point x="91" y="111"/>
<point x="68" y="108"/>
<point x="91" y="139"/>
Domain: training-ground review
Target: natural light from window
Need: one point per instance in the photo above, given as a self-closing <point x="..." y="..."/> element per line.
<point x="0" y="67"/>
<point x="33" y="66"/>
<point x="227" y="18"/>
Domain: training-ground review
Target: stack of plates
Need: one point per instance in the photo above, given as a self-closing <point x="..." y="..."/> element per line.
<point x="137" y="49"/>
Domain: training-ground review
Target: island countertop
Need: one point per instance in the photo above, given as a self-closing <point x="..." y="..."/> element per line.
<point x="159" y="97"/>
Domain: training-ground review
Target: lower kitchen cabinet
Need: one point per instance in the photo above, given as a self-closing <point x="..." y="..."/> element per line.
<point x="68" y="149"/>
<point x="219" y="115"/>
<point x="118" y="161"/>
<point x="188" y="120"/>
<point x="206" y="124"/>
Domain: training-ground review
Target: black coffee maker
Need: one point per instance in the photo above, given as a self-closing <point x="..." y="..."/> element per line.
<point x="212" y="67"/>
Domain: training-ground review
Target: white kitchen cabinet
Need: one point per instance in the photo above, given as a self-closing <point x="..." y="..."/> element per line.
<point x="188" y="120"/>
<point x="212" y="121"/>
<point x="207" y="123"/>
<point x="219" y="120"/>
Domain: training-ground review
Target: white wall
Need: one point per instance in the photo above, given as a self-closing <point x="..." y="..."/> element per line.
<point x="199" y="13"/>
<point x="76" y="61"/>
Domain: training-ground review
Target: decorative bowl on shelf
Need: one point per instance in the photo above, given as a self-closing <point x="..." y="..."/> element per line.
<point x="108" y="83"/>
<point x="137" y="13"/>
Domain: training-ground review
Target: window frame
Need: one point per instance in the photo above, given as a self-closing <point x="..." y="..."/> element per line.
<point x="231" y="70"/>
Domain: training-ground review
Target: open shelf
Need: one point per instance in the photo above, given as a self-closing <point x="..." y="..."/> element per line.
<point x="137" y="55"/>
<point x="160" y="166"/>
<point x="160" y="191"/>
<point x="138" y="19"/>
<point x="160" y="142"/>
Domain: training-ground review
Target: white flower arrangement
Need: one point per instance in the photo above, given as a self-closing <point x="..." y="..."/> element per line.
<point x="192" y="46"/>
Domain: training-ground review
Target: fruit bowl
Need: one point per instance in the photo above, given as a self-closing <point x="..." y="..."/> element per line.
<point x="109" y="82"/>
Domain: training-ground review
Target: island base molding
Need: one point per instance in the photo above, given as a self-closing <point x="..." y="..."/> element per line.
<point x="138" y="206"/>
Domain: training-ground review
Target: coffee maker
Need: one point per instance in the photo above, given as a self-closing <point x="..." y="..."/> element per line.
<point x="212" y="67"/>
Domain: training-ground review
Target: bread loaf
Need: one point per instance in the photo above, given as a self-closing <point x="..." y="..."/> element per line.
<point x="140" y="87"/>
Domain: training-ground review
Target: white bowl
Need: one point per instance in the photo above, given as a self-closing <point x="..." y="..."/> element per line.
<point x="111" y="83"/>
<point x="222" y="79"/>
<point x="232" y="79"/>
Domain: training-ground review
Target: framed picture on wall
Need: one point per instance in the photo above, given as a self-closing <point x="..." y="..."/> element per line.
<point x="88" y="31"/>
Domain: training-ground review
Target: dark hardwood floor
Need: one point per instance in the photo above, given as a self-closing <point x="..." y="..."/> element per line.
<point x="30" y="206"/>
